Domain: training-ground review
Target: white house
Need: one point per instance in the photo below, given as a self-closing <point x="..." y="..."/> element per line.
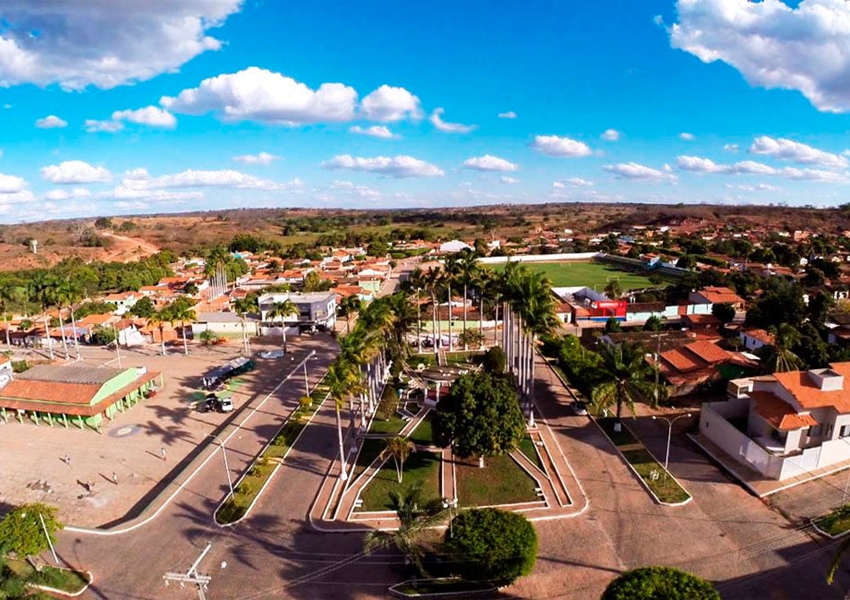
<point x="753" y="339"/>
<point x="786" y="424"/>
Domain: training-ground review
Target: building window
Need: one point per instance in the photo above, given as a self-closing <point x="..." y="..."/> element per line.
<point x="844" y="431"/>
<point x="814" y="431"/>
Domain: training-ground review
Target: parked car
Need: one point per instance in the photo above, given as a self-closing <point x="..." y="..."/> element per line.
<point x="580" y="408"/>
<point x="271" y="353"/>
<point x="225" y="404"/>
<point x="209" y="404"/>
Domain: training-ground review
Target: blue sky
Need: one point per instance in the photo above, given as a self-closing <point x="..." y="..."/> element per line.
<point x="178" y="105"/>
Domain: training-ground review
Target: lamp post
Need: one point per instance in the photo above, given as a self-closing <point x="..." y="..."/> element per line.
<point x="669" y="435"/>
<point x="449" y="505"/>
<point x="226" y="468"/>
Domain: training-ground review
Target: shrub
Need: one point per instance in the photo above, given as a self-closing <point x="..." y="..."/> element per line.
<point x="650" y="583"/>
<point x="494" y="360"/>
<point x="489" y="544"/>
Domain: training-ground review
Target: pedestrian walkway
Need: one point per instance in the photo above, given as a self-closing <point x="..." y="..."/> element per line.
<point x="561" y="495"/>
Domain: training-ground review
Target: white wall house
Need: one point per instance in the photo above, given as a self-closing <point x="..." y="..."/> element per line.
<point x="785" y="424"/>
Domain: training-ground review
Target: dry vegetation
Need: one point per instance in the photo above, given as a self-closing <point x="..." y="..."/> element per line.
<point x="194" y="231"/>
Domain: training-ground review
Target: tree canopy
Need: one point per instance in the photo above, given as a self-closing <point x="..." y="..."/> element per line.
<point x="21" y="530"/>
<point x="488" y="544"/>
<point x="656" y="583"/>
<point x="480" y="415"/>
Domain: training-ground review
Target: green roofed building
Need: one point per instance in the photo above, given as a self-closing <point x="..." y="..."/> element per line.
<point x="74" y="395"/>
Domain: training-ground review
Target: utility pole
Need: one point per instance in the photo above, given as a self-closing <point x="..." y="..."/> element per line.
<point x="191" y="576"/>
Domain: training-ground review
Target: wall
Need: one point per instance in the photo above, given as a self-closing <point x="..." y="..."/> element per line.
<point x="497" y="260"/>
<point x="115" y="384"/>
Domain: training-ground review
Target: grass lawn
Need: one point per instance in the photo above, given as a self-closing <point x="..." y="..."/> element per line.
<point x="422" y="435"/>
<point x="501" y="481"/>
<point x="572" y="274"/>
<point x="650" y="470"/>
<point x="393" y="426"/>
<point x="66" y="580"/>
<point x="235" y="507"/>
<point x="836" y="522"/>
<point x="526" y="446"/>
<point x="429" y="359"/>
<point x="369" y="451"/>
<point x="454" y="358"/>
<point x="420" y="468"/>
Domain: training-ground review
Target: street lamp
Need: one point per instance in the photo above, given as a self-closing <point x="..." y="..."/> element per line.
<point x="669" y="434"/>
<point x="449" y="505"/>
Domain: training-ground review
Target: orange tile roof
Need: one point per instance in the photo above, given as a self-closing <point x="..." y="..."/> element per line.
<point x="780" y="414"/>
<point x="681" y="361"/>
<point x="809" y="396"/>
<point x="710" y="353"/>
<point x="720" y="295"/>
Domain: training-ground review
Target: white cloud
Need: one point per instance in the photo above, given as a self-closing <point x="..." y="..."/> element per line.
<point x="260" y="95"/>
<point x="399" y="166"/>
<point x="138" y="173"/>
<point x="698" y="164"/>
<point x="149" y="115"/>
<point x="378" y="131"/>
<point x="11" y="184"/>
<point x="60" y="194"/>
<point x="95" y="126"/>
<point x="508" y="180"/>
<point x="225" y="178"/>
<point x="760" y="187"/>
<point x="263" y="158"/>
<point x="558" y="185"/>
<point x="105" y="44"/>
<point x="733" y="148"/>
<point x="489" y="163"/>
<point x="633" y="170"/>
<point x="50" y="121"/>
<point x="578" y="182"/>
<point x="358" y="190"/>
<point x="786" y="149"/>
<point x="125" y="193"/>
<point x="610" y="135"/>
<point x="389" y="104"/>
<point x="19" y="197"/>
<point x="437" y="121"/>
<point x="74" y="171"/>
<point x="688" y="137"/>
<point x="554" y="145"/>
<point x="508" y="115"/>
<point x="774" y="45"/>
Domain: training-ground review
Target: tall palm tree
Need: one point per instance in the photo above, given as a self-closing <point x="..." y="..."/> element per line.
<point x="433" y="286"/>
<point x="400" y="449"/>
<point x="343" y="381"/>
<point x="347" y="307"/>
<point x="181" y="310"/>
<point x="281" y="310"/>
<point x="242" y="307"/>
<point x="778" y="357"/>
<point x="624" y="377"/>
<point x="418" y="283"/>
<point x="66" y="293"/>
<point x="451" y="271"/>
<point x="159" y="319"/>
<point x="467" y="267"/>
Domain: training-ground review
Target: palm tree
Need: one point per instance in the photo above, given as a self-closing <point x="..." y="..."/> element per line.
<point x="451" y="271"/>
<point x="181" y="310"/>
<point x="778" y="357"/>
<point x="160" y="318"/>
<point x="66" y="293"/>
<point x="399" y="448"/>
<point x="343" y="381"/>
<point x="349" y="306"/>
<point x="434" y="282"/>
<point x="624" y="378"/>
<point x="242" y="307"/>
<point x="416" y="516"/>
<point x="281" y="310"/>
<point x="467" y="267"/>
<point x="613" y="289"/>
<point x="418" y="284"/>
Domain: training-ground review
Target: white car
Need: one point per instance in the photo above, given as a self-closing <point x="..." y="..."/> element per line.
<point x="271" y="354"/>
<point x="225" y="405"/>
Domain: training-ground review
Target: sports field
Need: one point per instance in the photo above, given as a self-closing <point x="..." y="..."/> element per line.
<point x="589" y="274"/>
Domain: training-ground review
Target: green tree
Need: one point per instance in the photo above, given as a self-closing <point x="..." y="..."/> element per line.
<point x="659" y="583"/>
<point x="653" y="323"/>
<point x="144" y="308"/>
<point x="480" y="416"/>
<point x="181" y="310"/>
<point x="21" y="530"/>
<point x="623" y="378"/>
<point x="488" y="544"/>
<point x="613" y="289"/>
<point x="612" y="325"/>
<point x="348" y="306"/>
<point x="208" y="338"/>
<point x="724" y="312"/>
<point x="102" y="336"/>
<point x="494" y="360"/>
<point x="399" y="448"/>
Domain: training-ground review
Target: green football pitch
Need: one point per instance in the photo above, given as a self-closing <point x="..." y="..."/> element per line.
<point x="589" y="274"/>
